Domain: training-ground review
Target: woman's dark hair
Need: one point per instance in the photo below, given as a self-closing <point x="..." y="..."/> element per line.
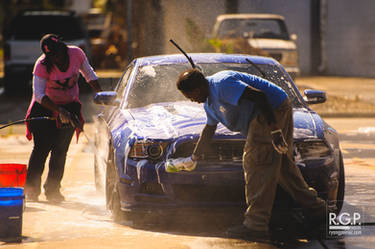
<point x="190" y="80"/>
<point x="51" y="44"/>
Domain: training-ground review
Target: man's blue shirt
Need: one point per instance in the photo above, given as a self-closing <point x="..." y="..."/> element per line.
<point x="225" y="90"/>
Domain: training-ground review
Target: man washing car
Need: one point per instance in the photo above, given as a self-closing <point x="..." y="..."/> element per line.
<point x="262" y="112"/>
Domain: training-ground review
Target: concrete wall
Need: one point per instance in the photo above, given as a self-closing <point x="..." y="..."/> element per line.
<point x="350" y="42"/>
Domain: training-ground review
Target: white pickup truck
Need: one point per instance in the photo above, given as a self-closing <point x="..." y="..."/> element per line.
<point x="22" y="38"/>
<point x="266" y="32"/>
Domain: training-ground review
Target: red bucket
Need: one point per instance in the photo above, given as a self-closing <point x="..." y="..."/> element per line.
<point x="12" y="175"/>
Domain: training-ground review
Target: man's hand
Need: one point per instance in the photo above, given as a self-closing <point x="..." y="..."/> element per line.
<point x="279" y="142"/>
<point x="178" y="164"/>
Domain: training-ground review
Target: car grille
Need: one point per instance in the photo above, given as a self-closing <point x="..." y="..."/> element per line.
<point x="276" y="56"/>
<point x="219" y="150"/>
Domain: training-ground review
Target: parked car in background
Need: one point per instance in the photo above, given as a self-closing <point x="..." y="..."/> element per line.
<point x="266" y="32"/>
<point x="22" y="37"/>
<point x="146" y="121"/>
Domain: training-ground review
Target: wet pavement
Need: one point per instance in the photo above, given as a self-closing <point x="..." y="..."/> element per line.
<point x="83" y="221"/>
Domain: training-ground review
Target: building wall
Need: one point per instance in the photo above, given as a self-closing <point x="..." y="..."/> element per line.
<point x="350" y="40"/>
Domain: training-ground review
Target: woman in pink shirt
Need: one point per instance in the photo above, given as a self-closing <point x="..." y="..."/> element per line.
<point x="55" y="95"/>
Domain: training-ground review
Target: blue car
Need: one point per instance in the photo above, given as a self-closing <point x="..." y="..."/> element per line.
<point x="146" y="121"/>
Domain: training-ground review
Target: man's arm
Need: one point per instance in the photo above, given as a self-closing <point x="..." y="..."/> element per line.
<point x="205" y="137"/>
<point x="260" y="99"/>
<point x="190" y="163"/>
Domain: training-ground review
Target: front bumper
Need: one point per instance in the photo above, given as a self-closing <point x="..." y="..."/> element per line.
<point x="147" y="187"/>
<point x="210" y="185"/>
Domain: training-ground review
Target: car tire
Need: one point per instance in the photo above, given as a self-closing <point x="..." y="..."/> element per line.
<point x="111" y="190"/>
<point x="341" y="187"/>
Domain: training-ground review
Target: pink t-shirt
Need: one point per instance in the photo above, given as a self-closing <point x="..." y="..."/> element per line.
<point x="62" y="87"/>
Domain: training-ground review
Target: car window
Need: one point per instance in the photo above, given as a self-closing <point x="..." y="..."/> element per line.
<point x="157" y="83"/>
<point x="253" y="28"/>
<point x="120" y="88"/>
<point x="33" y="27"/>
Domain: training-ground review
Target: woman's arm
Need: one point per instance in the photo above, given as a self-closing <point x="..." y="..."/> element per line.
<point x="90" y="76"/>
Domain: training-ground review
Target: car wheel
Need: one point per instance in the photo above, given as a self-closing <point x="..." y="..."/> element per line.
<point x="111" y="190"/>
<point x="341" y="187"/>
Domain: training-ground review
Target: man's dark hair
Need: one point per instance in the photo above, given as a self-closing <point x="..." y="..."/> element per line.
<point x="190" y="80"/>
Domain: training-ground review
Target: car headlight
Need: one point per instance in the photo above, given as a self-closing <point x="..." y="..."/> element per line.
<point x="147" y="150"/>
<point x="311" y="149"/>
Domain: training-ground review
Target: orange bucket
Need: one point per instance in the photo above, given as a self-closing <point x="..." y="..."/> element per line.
<point x="12" y="175"/>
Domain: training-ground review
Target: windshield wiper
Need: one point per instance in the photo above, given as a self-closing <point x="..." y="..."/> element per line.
<point x="257" y="67"/>
<point x="182" y="51"/>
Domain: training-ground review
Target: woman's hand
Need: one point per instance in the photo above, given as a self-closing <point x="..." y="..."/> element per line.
<point x="64" y="116"/>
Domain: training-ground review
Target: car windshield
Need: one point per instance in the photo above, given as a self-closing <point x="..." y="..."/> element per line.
<point x="253" y="28"/>
<point x="33" y="27"/>
<point x="157" y="83"/>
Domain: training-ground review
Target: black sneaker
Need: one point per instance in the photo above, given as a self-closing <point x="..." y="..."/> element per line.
<point x="243" y="232"/>
<point x="55" y="197"/>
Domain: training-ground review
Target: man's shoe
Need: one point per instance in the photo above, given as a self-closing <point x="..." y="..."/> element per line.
<point x="243" y="232"/>
<point x="55" y="197"/>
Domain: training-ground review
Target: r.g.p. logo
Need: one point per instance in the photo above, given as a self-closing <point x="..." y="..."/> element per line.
<point x="346" y="223"/>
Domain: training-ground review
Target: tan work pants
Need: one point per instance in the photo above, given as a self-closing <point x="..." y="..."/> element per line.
<point x="264" y="168"/>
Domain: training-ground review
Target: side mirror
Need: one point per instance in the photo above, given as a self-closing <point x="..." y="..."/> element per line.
<point x="106" y="98"/>
<point x="293" y="37"/>
<point x="314" y="96"/>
